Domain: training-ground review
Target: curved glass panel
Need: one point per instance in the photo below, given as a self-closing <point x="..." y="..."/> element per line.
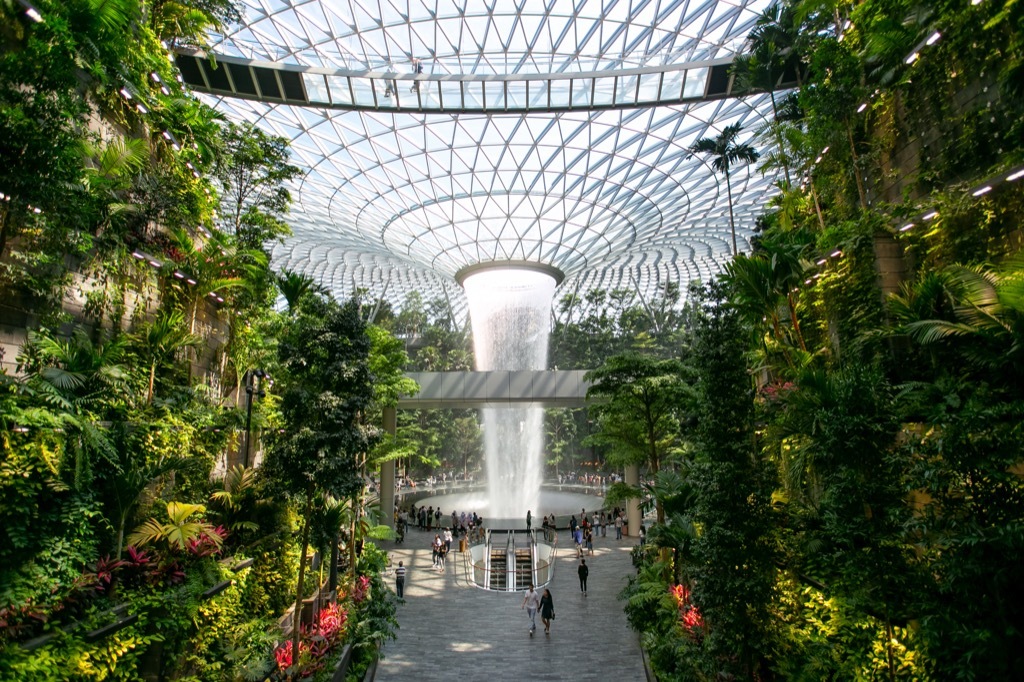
<point x="399" y="202"/>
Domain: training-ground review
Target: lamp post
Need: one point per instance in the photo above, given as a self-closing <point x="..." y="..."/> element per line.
<point x="253" y="378"/>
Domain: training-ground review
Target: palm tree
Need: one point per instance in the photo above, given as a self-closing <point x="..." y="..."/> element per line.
<point x="772" y="43"/>
<point x="217" y="266"/>
<point x="235" y="504"/>
<point x="764" y="284"/>
<point x="127" y="482"/>
<point x="75" y="378"/>
<point x="159" y="342"/>
<point x="987" y="325"/>
<point x="294" y="286"/>
<point x="725" y="152"/>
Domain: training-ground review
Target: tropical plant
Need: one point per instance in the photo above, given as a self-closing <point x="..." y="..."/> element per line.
<point x="328" y="391"/>
<point x="987" y="325"/>
<point x="75" y="379"/>
<point x="638" y="404"/>
<point x="732" y="568"/>
<point x="160" y="341"/>
<point x="765" y="284"/>
<point x="181" y="531"/>
<point x="726" y="153"/>
<point x="124" y="485"/>
<point x="234" y="505"/>
<point x="253" y="169"/>
<point x="294" y="286"/>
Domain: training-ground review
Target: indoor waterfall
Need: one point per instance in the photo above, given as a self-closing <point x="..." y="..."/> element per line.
<point x="510" y="312"/>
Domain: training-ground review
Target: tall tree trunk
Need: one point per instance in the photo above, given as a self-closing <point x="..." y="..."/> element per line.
<point x="5" y="222"/>
<point x="778" y="133"/>
<point x="654" y="461"/>
<point x="856" y="168"/>
<point x="817" y="205"/>
<point x="732" y="221"/>
<point x="352" y="540"/>
<point x="333" y="585"/>
<point x="796" y="323"/>
<point x="297" y="616"/>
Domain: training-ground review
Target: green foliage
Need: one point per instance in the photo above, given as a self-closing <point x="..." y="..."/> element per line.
<point x="51" y="531"/>
<point x="733" y="557"/>
<point x="253" y="169"/>
<point x="229" y="641"/>
<point x="591" y="328"/>
<point x="179" y="532"/>
<point x="328" y="389"/>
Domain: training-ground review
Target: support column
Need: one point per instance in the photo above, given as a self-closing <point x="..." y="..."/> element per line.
<point x="632" y="476"/>
<point x="387" y="473"/>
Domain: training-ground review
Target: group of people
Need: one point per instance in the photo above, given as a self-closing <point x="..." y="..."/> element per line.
<point x="588" y="479"/>
<point x="427" y="518"/>
<point x="440" y="547"/>
<point x="583" y="531"/>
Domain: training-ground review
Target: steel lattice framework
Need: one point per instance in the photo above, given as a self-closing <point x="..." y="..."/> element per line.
<point x="396" y="201"/>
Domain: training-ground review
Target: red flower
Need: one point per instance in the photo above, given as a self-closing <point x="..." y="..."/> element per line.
<point x="330" y="621"/>
<point x="689" y="614"/>
<point x="360" y="589"/>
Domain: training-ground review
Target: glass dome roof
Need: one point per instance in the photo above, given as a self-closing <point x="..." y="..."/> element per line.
<point x="395" y="201"/>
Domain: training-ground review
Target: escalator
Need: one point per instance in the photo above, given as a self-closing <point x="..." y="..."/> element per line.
<point x="524" y="568"/>
<point x="499" y="569"/>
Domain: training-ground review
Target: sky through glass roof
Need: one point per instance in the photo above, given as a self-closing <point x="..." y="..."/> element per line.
<point x="395" y="202"/>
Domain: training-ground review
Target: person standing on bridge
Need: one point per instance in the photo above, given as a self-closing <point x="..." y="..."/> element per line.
<point x="529" y="520"/>
<point x="531" y="601"/>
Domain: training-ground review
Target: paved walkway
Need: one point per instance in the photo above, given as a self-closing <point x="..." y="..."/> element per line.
<point x="449" y="631"/>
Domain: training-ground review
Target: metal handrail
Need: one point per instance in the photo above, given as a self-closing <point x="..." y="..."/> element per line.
<point x="538" y="567"/>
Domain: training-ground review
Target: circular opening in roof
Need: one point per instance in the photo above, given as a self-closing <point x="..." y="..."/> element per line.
<point x="529" y="266"/>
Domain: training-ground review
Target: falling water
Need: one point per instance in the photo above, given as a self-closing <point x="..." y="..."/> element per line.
<point x="510" y="310"/>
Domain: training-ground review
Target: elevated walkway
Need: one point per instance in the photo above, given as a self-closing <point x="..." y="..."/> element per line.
<point x="457" y="390"/>
<point x="389" y="88"/>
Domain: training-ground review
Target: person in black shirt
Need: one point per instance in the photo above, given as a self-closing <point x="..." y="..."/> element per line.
<point x="547" y="610"/>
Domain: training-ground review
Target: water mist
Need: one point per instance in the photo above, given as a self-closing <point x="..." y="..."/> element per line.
<point x="510" y="312"/>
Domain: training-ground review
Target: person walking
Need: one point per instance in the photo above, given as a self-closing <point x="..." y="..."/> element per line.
<point x="400" y="580"/>
<point x="442" y="552"/>
<point x="531" y="601"/>
<point x="435" y="548"/>
<point x="618" y="527"/>
<point x="583" y="572"/>
<point x="547" y="611"/>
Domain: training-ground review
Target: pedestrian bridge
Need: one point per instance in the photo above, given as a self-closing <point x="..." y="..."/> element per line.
<point x="459" y="390"/>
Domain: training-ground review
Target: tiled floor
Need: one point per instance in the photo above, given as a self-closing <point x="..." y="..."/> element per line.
<point x="453" y="632"/>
